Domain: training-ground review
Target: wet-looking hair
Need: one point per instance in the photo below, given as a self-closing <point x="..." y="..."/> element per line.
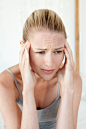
<point x="43" y="19"/>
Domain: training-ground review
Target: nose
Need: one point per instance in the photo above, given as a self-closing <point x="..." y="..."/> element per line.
<point x="48" y="61"/>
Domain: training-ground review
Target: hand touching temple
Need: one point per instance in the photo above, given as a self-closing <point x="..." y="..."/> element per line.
<point x="41" y="92"/>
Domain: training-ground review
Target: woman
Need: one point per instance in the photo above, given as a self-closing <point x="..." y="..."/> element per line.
<point x="48" y="91"/>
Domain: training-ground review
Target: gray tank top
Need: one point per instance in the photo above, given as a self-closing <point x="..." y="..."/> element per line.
<point x="47" y="116"/>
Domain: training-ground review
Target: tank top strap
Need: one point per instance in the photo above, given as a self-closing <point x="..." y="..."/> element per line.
<point x="15" y="84"/>
<point x="59" y="90"/>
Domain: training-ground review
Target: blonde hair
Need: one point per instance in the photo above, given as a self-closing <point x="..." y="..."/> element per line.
<point x="43" y="19"/>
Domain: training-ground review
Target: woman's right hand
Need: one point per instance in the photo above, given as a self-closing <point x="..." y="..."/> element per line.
<point x="28" y="75"/>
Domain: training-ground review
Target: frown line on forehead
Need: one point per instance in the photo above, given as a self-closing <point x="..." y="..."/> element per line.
<point x="47" y="49"/>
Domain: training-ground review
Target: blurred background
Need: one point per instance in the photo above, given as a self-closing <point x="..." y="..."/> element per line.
<point x="13" y="14"/>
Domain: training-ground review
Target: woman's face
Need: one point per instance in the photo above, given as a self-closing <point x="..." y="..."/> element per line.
<point x="46" y="52"/>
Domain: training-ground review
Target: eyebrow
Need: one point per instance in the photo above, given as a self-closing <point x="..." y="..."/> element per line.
<point x="47" y="49"/>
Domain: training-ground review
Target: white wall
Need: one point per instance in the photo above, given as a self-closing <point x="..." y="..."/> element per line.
<point x="12" y="17"/>
<point x="10" y="33"/>
<point x="13" y="14"/>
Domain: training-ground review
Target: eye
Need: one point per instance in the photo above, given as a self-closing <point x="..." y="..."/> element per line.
<point x="40" y="52"/>
<point x="58" y="52"/>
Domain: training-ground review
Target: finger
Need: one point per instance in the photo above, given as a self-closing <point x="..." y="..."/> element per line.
<point x="67" y="57"/>
<point x="67" y="48"/>
<point x="26" y="57"/>
<point x="23" y="59"/>
<point x="68" y="61"/>
<point x="28" y="48"/>
<point x="22" y="52"/>
<point x="25" y="63"/>
<point x="72" y="60"/>
<point x="71" y="54"/>
<point x="69" y="51"/>
<point x="65" y="60"/>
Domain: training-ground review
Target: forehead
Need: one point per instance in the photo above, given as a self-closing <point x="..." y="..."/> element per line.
<point x="47" y="38"/>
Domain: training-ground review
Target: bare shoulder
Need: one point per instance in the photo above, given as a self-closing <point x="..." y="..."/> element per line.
<point x="6" y="79"/>
<point x="8" y="105"/>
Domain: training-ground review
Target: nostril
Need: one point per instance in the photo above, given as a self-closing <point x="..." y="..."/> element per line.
<point x="49" y="64"/>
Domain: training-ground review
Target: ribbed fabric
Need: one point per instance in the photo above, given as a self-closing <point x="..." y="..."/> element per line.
<point x="46" y="116"/>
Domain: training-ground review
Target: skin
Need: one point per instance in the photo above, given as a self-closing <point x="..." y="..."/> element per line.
<point x="32" y="62"/>
<point x="70" y="81"/>
<point x="51" y="60"/>
<point x="46" y="59"/>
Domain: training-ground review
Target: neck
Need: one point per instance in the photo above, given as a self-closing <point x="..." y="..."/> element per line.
<point x="46" y="84"/>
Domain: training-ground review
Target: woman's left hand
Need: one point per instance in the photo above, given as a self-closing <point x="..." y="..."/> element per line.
<point x="65" y="75"/>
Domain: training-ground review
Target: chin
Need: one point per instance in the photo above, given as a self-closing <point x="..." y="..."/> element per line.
<point x="46" y="77"/>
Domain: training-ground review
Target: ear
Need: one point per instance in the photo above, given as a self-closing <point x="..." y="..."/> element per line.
<point x="21" y="43"/>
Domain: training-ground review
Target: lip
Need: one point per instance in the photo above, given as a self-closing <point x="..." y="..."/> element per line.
<point x="47" y="71"/>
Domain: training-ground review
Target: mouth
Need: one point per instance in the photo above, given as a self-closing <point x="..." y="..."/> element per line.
<point x="47" y="71"/>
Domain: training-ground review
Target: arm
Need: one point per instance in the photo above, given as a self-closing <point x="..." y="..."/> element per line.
<point x="69" y="105"/>
<point x="11" y="113"/>
<point x="9" y="109"/>
<point x="70" y="85"/>
<point x="29" y="113"/>
<point x="65" y="112"/>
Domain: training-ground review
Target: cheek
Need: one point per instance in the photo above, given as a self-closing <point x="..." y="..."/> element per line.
<point x="59" y="60"/>
<point x="34" y="59"/>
